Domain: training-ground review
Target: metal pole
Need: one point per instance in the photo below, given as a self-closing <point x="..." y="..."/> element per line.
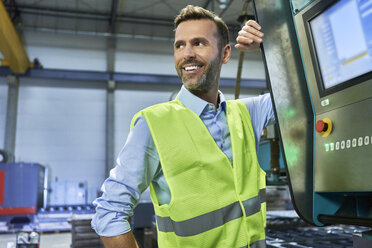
<point x="11" y="116"/>
<point x="241" y="55"/>
<point x="239" y="75"/>
<point x="110" y="126"/>
<point x="111" y="86"/>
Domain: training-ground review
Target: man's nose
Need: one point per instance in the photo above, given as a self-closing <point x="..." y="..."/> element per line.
<point x="189" y="52"/>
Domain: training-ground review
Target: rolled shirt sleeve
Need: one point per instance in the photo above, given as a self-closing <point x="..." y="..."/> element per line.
<point x="135" y="167"/>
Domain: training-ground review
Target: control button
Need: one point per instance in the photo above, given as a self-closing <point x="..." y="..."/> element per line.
<point x="337" y="145"/>
<point x="321" y="126"/>
<point x="332" y="146"/>
<point x="324" y="127"/>
<point x="360" y="141"/>
<point x="348" y="143"/>
<point x="327" y="147"/>
<point x="366" y="140"/>
<point x="354" y="142"/>
<point x="343" y="144"/>
<point x="324" y="102"/>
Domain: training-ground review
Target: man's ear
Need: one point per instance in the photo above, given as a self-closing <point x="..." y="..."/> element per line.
<point x="226" y="53"/>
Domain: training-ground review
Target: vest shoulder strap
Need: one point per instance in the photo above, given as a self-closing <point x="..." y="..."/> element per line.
<point x="160" y="108"/>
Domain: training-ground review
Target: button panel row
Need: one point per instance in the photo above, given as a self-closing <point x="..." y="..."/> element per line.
<point x="349" y="143"/>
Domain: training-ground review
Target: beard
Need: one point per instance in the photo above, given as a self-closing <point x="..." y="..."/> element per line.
<point x="207" y="80"/>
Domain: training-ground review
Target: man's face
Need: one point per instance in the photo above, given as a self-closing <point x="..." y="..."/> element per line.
<point x="197" y="57"/>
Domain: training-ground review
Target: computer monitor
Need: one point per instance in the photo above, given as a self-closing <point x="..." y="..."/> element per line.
<point x="341" y="37"/>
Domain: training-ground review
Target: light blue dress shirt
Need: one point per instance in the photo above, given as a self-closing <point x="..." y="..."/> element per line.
<point x="138" y="162"/>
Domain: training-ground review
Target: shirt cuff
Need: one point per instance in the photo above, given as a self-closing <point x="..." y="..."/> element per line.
<point x="111" y="227"/>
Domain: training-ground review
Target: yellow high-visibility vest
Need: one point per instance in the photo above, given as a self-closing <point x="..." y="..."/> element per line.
<point x="213" y="204"/>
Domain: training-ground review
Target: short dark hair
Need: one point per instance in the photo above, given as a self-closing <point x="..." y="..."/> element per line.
<point x="191" y="12"/>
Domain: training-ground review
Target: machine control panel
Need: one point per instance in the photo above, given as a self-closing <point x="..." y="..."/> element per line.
<point x="343" y="158"/>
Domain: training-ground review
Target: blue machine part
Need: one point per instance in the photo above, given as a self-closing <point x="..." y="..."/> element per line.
<point x="264" y="155"/>
<point x="22" y="188"/>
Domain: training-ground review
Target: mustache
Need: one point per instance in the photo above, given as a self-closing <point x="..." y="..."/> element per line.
<point x="191" y="61"/>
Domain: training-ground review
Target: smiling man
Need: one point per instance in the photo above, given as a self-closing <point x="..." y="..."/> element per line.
<point x="197" y="153"/>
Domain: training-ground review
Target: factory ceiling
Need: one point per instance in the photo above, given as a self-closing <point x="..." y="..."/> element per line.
<point x="118" y="18"/>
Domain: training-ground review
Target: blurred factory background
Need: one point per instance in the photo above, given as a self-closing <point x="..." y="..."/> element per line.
<point x="72" y="76"/>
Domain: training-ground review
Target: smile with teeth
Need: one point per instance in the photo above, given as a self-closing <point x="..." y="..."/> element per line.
<point x="192" y="68"/>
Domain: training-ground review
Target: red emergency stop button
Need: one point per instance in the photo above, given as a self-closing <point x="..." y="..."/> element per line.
<point x="324" y="127"/>
<point x="321" y="126"/>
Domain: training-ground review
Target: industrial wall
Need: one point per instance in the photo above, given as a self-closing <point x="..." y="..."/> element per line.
<point x="77" y="52"/>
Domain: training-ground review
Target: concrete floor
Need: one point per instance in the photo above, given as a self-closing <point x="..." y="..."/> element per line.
<point x="52" y="240"/>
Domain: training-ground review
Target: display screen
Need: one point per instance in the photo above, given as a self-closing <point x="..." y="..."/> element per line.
<point x="342" y="36"/>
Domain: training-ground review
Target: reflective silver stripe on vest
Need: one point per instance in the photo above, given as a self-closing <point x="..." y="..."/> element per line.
<point x="253" y="205"/>
<point x="208" y="221"/>
<point x="258" y="244"/>
<point x="200" y="223"/>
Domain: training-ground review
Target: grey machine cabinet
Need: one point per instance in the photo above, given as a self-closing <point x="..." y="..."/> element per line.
<point x="318" y="56"/>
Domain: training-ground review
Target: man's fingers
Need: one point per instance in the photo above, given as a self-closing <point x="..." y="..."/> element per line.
<point x="249" y="37"/>
<point x="253" y="24"/>
<point x="245" y="47"/>
<point x="244" y="40"/>
<point x="252" y="30"/>
<point x="246" y="37"/>
<point x="240" y="46"/>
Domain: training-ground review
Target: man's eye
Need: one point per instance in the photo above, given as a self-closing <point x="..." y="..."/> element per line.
<point x="200" y="44"/>
<point x="179" y="46"/>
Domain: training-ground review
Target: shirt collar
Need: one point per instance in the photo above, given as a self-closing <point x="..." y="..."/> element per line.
<point x="196" y="104"/>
